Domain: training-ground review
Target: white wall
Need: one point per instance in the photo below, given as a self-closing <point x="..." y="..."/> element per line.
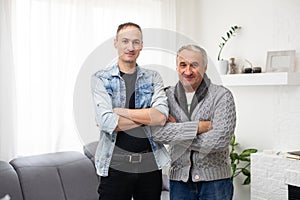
<point x="268" y="116"/>
<point x="271" y="175"/>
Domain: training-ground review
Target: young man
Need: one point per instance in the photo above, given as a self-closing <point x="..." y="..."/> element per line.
<point x="200" y="166"/>
<point x="128" y="99"/>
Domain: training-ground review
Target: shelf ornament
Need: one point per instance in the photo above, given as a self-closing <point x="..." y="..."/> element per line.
<point x="229" y="34"/>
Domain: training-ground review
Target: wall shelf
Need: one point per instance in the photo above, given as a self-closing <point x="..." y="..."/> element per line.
<point x="274" y="78"/>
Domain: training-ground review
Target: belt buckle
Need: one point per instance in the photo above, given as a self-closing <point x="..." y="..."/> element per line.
<point x="135" y="158"/>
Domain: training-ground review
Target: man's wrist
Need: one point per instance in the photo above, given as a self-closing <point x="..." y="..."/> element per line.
<point x="124" y="112"/>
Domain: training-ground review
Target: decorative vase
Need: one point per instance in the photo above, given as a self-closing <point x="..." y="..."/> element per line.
<point x="222" y="66"/>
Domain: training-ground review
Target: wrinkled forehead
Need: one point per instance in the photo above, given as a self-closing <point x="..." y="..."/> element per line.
<point x="189" y="56"/>
<point x="130" y="32"/>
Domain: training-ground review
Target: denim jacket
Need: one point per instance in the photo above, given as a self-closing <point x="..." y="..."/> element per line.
<point x="108" y="92"/>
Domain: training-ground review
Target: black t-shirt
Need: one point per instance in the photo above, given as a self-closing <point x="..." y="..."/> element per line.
<point x="133" y="140"/>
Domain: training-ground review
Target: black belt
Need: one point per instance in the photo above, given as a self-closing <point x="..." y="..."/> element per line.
<point x="133" y="158"/>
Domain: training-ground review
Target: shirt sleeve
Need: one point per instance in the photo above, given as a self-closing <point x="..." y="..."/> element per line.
<point x="175" y="132"/>
<point x="106" y="119"/>
<point x="159" y="98"/>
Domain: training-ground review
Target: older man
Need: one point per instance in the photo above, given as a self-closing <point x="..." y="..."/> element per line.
<point x="202" y="120"/>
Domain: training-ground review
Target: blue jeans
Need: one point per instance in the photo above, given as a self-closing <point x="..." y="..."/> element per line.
<point x="203" y="190"/>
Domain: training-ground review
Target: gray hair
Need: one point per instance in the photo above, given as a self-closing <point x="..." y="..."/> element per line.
<point x="194" y="47"/>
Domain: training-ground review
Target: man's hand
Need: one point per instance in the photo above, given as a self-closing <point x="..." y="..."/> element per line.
<point x="171" y="119"/>
<point x="204" y="126"/>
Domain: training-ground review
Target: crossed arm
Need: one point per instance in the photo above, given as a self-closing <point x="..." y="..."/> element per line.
<point x="203" y="126"/>
<point x="132" y="118"/>
<point x="179" y="131"/>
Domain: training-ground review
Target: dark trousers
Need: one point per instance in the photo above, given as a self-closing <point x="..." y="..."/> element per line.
<point x="120" y="185"/>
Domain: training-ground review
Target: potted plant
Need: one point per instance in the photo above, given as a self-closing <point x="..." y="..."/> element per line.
<point x="240" y="162"/>
<point x="223" y="64"/>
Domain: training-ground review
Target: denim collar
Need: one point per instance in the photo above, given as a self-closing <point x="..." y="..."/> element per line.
<point x="116" y="71"/>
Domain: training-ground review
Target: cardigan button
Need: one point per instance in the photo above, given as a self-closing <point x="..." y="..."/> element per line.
<point x="197" y="177"/>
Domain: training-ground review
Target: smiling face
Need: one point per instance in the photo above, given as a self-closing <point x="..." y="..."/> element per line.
<point x="128" y="43"/>
<point x="190" y="68"/>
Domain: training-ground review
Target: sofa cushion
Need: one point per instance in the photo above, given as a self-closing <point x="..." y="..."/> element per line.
<point x="9" y="182"/>
<point x="59" y="176"/>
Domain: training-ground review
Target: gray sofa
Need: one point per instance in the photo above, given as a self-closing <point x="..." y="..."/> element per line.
<point x="54" y="176"/>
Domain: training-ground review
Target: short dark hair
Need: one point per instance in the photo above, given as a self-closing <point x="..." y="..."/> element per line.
<point x="194" y="47"/>
<point x="125" y="25"/>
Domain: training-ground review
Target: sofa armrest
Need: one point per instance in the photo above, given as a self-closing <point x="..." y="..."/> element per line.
<point x="59" y="176"/>
<point x="9" y="182"/>
<point x="90" y="149"/>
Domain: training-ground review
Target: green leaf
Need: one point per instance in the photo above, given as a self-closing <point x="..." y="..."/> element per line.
<point x="246" y="159"/>
<point x="247" y="181"/>
<point x="247" y="152"/>
<point x="232" y="139"/>
<point x="229" y="35"/>
<point x="233" y="167"/>
<point x="252" y="150"/>
<point x="236" y="144"/>
<point x="246" y="172"/>
<point x="234" y="156"/>
<point x="238" y="168"/>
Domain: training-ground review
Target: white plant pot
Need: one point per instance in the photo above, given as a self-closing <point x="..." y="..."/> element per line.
<point x="222" y="66"/>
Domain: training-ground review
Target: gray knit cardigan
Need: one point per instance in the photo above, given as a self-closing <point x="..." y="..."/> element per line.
<point x="204" y="156"/>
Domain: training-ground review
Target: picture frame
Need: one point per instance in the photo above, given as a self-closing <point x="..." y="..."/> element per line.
<point x="281" y="61"/>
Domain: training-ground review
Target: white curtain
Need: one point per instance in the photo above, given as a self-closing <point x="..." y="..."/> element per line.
<point x="51" y="39"/>
<point x="7" y="85"/>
